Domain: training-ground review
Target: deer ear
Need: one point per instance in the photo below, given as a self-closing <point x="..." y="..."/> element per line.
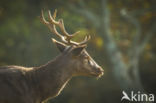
<point x="59" y="45"/>
<point x="77" y="51"/>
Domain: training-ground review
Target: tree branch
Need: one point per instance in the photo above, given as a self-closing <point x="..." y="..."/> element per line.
<point x="83" y="10"/>
<point x="148" y="36"/>
<point x="137" y="25"/>
<point x="134" y="51"/>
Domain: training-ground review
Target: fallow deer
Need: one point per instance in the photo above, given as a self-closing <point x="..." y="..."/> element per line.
<point x="38" y="84"/>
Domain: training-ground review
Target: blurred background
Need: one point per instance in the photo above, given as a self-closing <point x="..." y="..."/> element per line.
<point x="123" y="42"/>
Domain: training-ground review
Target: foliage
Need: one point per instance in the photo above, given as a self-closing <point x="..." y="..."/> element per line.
<point x="25" y="41"/>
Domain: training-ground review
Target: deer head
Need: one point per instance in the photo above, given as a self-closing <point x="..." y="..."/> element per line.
<point x="75" y="54"/>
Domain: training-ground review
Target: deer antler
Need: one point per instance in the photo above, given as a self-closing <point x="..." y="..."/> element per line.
<point x="65" y="37"/>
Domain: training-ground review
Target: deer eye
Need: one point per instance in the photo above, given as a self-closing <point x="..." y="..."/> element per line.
<point x="86" y="61"/>
<point x="86" y="57"/>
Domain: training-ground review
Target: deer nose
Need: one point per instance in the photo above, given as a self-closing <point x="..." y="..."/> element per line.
<point x="102" y="71"/>
<point x="99" y="69"/>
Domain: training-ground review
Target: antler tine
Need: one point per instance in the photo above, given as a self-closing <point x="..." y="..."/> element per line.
<point x="50" y="26"/>
<point x="87" y="38"/>
<point x="62" y="27"/>
<point x="51" y="19"/>
<point x="60" y="23"/>
<point x="65" y="37"/>
<point x="53" y="23"/>
<point x="54" y="15"/>
<point x="43" y="19"/>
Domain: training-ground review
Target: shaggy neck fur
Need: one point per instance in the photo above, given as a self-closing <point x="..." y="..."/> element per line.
<point x="52" y="77"/>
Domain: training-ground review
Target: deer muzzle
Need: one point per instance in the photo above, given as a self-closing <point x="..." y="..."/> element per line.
<point x="98" y="72"/>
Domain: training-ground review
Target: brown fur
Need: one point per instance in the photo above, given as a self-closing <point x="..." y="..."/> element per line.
<point x="37" y="84"/>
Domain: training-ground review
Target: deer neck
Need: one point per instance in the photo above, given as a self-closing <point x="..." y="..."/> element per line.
<point x="52" y="77"/>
